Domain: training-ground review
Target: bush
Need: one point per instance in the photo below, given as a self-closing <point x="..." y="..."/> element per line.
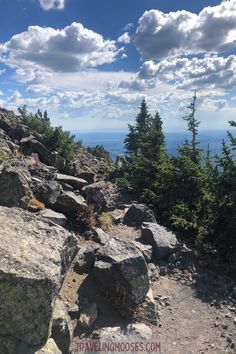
<point x="4" y="155"/>
<point x="105" y="221"/>
<point x="99" y="151"/>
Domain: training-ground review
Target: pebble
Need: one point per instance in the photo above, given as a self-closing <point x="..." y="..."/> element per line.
<point x="228" y="315"/>
<point x="216" y="324"/>
<point x="234" y="321"/>
<point x="229" y="340"/>
<point x="224" y="326"/>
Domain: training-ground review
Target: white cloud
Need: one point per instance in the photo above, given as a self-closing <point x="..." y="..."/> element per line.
<point x="128" y="27"/>
<point x="161" y="35"/>
<point x="41" y="51"/>
<point x="124" y="56"/>
<point x="214" y="105"/>
<point x="208" y="72"/>
<point x="124" y="38"/>
<point x="52" y="4"/>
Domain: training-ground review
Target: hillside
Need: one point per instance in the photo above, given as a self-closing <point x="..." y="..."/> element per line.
<point x="83" y="261"/>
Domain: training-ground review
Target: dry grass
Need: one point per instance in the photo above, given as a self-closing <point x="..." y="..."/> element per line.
<point x="35" y="202"/>
<point x="86" y="217"/>
<point x="105" y="221"/>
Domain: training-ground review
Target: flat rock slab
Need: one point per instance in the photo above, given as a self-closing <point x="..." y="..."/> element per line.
<point x="75" y="182"/>
<point x="57" y="218"/>
<point x="70" y="203"/>
<point x="164" y="242"/>
<point x="34" y="256"/>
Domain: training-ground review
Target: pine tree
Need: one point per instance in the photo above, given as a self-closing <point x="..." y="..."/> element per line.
<point x="154" y="141"/>
<point x="193" y="124"/>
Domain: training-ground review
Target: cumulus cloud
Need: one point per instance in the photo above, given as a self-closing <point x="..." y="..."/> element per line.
<point x="52" y="4"/>
<point x="208" y="72"/>
<point x="214" y="105"/>
<point x="161" y="35"/>
<point x="41" y="50"/>
<point x="124" y="38"/>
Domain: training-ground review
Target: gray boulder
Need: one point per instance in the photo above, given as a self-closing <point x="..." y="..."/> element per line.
<point x="34" y="256"/>
<point x="100" y="195"/>
<point x="49" y="348"/>
<point x="70" y="203"/>
<point x="164" y="242"/>
<point x="56" y="218"/>
<point x="15" y="186"/>
<point x="145" y="249"/>
<point x="138" y="213"/>
<point x="85" y="258"/>
<point x="30" y="145"/>
<point x="62" y="329"/>
<point x="75" y="182"/>
<point x="47" y="192"/>
<point x="122" y="270"/>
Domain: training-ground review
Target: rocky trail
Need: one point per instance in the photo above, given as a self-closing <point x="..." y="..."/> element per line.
<point x="81" y="260"/>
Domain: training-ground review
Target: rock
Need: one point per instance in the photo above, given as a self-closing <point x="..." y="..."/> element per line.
<point x="15" y="186"/>
<point x="135" y="332"/>
<point x="75" y="182"/>
<point x="153" y="271"/>
<point x="49" y="348"/>
<point x="88" y="316"/>
<point x="62" y="330"/>
<point x="99" y="194"/>
<point x="34" y="256"/>
<point x="88" y="176"/>
<point x="234" y="292"/>
<point x="70" y="203"/>
<point x="100" y="236"/>
<point x="147" y="311"/>
<point x="138" y="213"/>
<point x="30" y="145"/>
<point x="122" y="270"/>
<point x="7" y="120"/>
<point x="85" y="259"/>
<point x="163" y="241"/>
<point x="117" y="216"/>
<point x="145" y="249"/>
<point x="48" y="192"/>
<point x="56" y="218"/>
<point x="19" y="132"/>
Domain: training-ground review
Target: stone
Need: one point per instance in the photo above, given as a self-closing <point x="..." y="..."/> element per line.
<point x="34" y="257"/>
<point x="147" y="311"/>
<point x="100" y="236"/>
<point x="15" y="186"/>
<point x="48" y="192"/>
<point x="88" y="176"/>
<point x="85" y="259"/>
<point x="121" y="268"/>
<point x="99" y="194"/>
<point x="117" y="216"/>
<point x="88" y="316"/>
<point x="135" y="332"/>
<point x="164" y="242"/>
<point x="49" y="348"/>
<point x="70" y="203"/>
<point x="62" y="330"/>
<point x="56" y="218"/>
<point x="75" y="182"/>
<point x="145" y="249"/>
<point x="30" y="145"/>
<point x="138" y="213"/>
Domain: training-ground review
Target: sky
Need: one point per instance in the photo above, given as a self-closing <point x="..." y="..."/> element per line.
<point x="91" y="62"/>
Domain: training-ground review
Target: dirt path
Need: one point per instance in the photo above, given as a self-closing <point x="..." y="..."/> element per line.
<point x="197" y="313"/>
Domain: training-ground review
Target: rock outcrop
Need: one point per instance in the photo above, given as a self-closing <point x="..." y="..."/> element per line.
<point x="138" y="213"/>
<point x="34" y="256"/>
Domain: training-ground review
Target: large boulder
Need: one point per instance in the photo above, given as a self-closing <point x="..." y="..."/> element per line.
<point x="70" y="203"/>
<point x="122" y="270"/>
<point x="30" y="145"/>
<point x="138" y="213"/>
<point x="34" y="257"/>
<point x="75" y="182"/>
<point x="49" y="348"/>
<point x="100" y="195"/>
<point x="164" y="242"/>
<point x="47" y="191"/>
<point x="15" y="185"/>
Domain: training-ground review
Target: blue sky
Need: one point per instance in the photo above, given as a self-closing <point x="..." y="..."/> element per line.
<point x="90" y="62"/>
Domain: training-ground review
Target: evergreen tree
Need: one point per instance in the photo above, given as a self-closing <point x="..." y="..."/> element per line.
<point x="193" y="124"/>
<point x="153" y="143"/>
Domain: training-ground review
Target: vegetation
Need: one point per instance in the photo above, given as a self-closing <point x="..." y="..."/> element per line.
<point x="36" y="203"/>
<point x="4" y="155"/>
<point x="55" y="138"/>
<point x="105" y="221"/>
<point x="99" y="151"/>
<point x="192" y="193"/>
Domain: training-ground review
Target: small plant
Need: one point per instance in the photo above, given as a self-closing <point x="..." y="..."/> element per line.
<point x="35" y="202"/>
<point x="105" y="221"/>
<point x="4" y="155"/>
<point x="86" y="217"/>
